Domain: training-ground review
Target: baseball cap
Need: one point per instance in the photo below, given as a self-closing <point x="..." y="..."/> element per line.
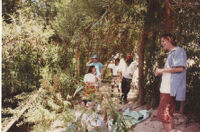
<point x="95" y="57"/>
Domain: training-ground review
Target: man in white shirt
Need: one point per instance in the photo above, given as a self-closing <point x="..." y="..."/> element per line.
<point x="126" y="76"/>
<point x="115" y="76"/>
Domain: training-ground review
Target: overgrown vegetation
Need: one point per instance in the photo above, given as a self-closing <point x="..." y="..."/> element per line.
<point x="24" y="41"/>
<point x="47" y="44"/>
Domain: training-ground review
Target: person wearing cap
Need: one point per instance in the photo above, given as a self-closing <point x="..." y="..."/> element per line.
<point x="126" y="76"/>
<point x="173" y="85"/>
<point x="99" y="68"/>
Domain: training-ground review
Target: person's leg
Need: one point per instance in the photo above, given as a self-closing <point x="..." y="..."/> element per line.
<point x="128" y="86"/>
<point x="99" y="83"/>
<point x="181" y="110"/>
<point x="112" y="90"/>
<point x="165" y="111"/>
<point x="172" y="123"/>
<point x="123" y="87"/>
<point x="113" y="86"/>
<point x="125" y="97"/>
<point x="167" y="126"/>
<point x="118" y="86"/>
<point x="125" y="90"/>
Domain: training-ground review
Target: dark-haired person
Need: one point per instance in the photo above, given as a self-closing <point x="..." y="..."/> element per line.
<point x="126" y="76"/>
<point x="173" y="85"/>
<point x="115" y="76"/>
<point x="91" y="81"/>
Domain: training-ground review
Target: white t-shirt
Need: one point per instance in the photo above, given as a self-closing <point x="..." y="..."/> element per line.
<point x="91" y="78"/>
<point x="114" y="69"/>
<point x="128" y="71"/>
<point x="165" y="84"/>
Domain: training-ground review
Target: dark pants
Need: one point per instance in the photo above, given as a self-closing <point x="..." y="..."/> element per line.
<point x="126" y="85"/>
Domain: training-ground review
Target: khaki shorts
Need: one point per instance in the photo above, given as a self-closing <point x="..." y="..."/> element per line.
<point x="115" y="81"/>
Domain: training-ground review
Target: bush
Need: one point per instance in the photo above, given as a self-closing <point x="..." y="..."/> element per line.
<point x="24" y="40"/>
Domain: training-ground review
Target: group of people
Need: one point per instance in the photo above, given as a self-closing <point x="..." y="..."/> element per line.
<point x="92" y="79"/>
<point x="121" y="77"/>
<point x="173" y="84"/>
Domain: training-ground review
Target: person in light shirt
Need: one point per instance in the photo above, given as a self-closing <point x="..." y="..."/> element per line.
<point x="126" y="76"/>
<point x="91" y="83"/>
<point x="115" y="76"/>
<point x="173" y="85"/>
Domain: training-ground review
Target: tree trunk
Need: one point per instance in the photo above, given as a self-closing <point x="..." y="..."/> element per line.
<point x="141" y="67"/>
<point x="168" y="14"/>
<point x="144" y="38"/>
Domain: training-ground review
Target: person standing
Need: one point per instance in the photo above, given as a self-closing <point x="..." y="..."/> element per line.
<point x="99" y="68"/>
<point x="173" y="85"/>
<point x="91" y="82"/>
<point x="115" y="76"/>
<point x="126" y="76"/>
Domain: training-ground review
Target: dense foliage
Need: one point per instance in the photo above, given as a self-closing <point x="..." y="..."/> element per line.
<point x="48" y="44"/>
<point x="24" y="42"/>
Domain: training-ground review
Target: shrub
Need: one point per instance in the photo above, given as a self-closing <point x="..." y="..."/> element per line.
<point x="24" y="40"/>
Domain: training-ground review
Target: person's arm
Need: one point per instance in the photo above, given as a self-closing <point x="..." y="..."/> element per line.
<point x="88" y="63"/>
<point x="120" y="76"/>
<point x="178" y="63"/>
<point x="96" y="79"/>
<point x="133" y="68"/>
<point x="169" y="70"/>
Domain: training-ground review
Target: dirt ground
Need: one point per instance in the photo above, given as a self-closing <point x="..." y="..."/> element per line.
<point x="181" y="123"/>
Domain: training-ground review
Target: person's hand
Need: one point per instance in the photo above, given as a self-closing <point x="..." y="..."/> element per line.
<point x="158" y="72"/>
<point x="89" y="62"/>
